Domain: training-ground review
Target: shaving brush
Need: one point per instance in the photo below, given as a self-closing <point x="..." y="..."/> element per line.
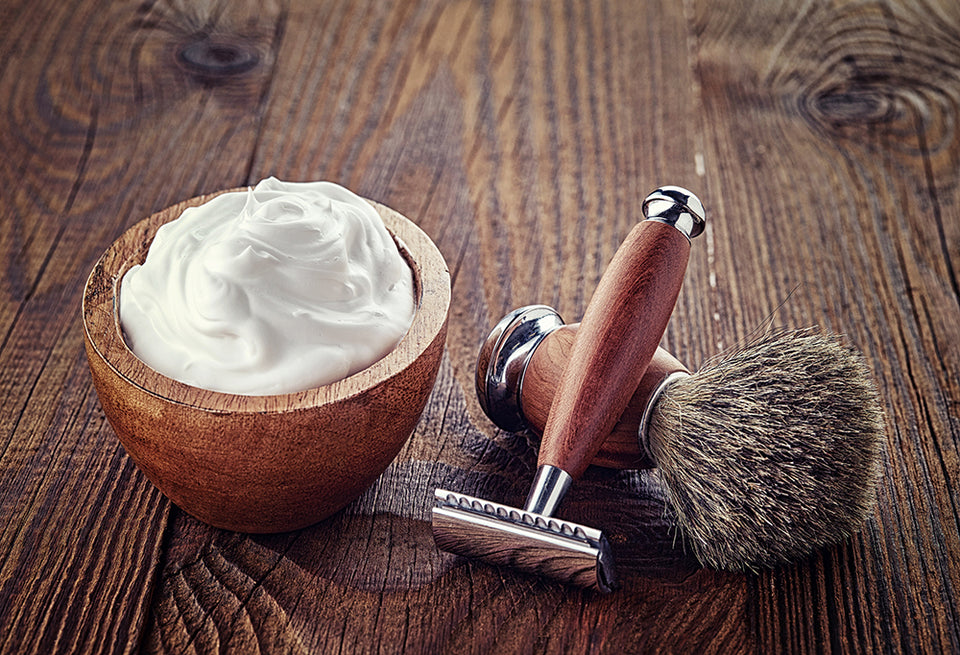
<point x="766" y="453"/>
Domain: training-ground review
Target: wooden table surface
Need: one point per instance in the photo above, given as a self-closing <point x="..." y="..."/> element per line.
<point x="823" y="139"/>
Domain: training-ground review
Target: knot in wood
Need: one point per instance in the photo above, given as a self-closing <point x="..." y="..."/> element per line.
<point x="217" y="59"/>
<point x="875" y="99"/>
<point x="854" y="105"/>
<point x="859" y="97"/>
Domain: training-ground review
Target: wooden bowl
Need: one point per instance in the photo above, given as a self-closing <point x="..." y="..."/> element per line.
<point x="264" y="463"/>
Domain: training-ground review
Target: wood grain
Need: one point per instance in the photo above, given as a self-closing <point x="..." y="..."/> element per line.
<point x="93" y="115"/>
<point x="522" y="137"/>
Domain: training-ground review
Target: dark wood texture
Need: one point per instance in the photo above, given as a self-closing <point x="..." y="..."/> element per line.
<point x="522" y="137"/>
<point x="622" y="325"/>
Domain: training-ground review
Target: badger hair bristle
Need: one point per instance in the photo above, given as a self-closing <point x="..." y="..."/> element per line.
<point x="770" y="452"/>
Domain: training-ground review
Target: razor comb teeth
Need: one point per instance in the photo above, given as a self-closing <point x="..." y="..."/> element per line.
<point x="507" y="536"/>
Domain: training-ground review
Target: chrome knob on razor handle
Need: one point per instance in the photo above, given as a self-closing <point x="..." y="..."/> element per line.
<point x="619" y="334"/>
<point x="519" y="368"/>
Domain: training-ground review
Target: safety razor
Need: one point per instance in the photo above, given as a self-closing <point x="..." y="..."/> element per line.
<point x="617" y="338"/>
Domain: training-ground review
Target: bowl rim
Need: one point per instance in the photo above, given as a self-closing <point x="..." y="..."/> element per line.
<point x="102" y="331"/>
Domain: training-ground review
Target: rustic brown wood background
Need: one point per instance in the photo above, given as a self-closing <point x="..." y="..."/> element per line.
<point x="823" y="138"/>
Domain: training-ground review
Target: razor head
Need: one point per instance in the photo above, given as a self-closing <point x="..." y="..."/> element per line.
<point x="506" y="536"/>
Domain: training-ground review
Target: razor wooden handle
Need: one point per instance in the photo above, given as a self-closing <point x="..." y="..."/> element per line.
<point x="617" y="338"/>
<point x="620" y="449"/>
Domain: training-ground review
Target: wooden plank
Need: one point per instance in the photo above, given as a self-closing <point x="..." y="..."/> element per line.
<point x="101" y="126"/>
<point x="833" y="138"/>
<point x="522" y="137"/>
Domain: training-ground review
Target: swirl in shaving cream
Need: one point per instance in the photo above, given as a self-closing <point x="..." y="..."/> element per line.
<point x="284" y="287"/>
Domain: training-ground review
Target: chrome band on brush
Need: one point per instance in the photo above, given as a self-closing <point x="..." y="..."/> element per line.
<point x="648" y="410"/>
<point x="506" y="536"/>
<point x="503" y="360"/>
<point x="678" y="207"/>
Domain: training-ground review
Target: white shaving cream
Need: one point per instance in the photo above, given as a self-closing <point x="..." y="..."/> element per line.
<point x="281" y="288"/>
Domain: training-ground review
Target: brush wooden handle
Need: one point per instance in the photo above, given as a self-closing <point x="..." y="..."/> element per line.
<point x="620" y="449"/>
<point x="617" y="338"/>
